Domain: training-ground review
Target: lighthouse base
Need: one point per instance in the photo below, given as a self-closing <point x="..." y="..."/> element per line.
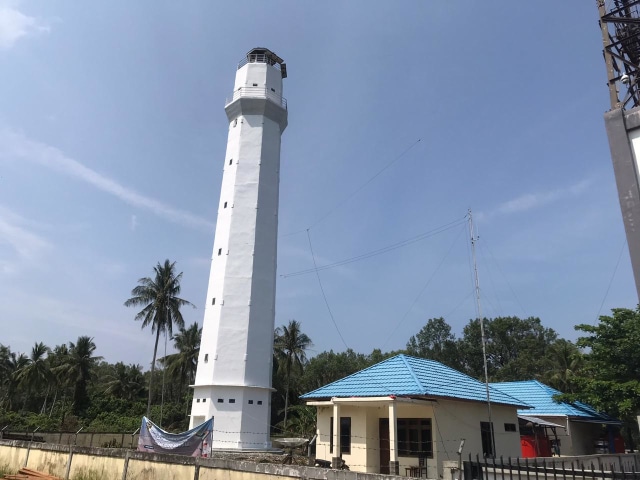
<point x="241" y="416"/>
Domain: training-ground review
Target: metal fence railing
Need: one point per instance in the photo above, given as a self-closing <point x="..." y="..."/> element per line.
<point x="589" y="467"/>
<point x="259" y="58"/>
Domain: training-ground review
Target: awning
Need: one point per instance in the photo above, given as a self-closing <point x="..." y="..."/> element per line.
<point x="539" y="421"/>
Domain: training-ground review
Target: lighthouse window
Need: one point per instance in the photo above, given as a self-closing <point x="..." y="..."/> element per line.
<point x="198" y="400"/>
<point x="225" y="204"/>
<point x="219" y="251"/>
<point x="221" y="400"/>
<point x="230" y="161"/>
<point x="206" y="357"/>
<point x="204" y="400"/>
<point x="273" y="89"/>
<point x="232" y="400"/>
<point x="213" y="301"/>
<point x="255" y="84"/>
<point x="259" y="402"/>
<point x="235" y="122"/>
<point x="250" y="402"/>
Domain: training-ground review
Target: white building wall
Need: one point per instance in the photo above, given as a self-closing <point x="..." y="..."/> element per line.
<point x="233" y="378"/>
<point x="451" y="421"/>
<point x="459" y="420"/>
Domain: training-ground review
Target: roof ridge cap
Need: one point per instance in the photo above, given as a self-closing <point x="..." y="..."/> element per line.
<point x="405" y="359"/>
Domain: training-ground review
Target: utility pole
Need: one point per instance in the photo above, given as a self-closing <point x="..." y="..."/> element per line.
<point x="474" y="239"/>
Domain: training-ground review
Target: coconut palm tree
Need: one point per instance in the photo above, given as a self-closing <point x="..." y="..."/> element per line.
<point x="563" y="362"/>
<point x="57" y="359"/>
<point x="181" y="366"/>
<point x="5" y="365"/>
<point x="35" y="375"/>
<point x="124" y="381"/>
<point x="78" y="368"/>
<point x="289" y="348"/>
<point x="159" y="297"/>
<point x="14" y="363"/>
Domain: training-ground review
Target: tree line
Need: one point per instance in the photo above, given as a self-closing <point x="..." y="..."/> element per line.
<point x="68" y="386"/>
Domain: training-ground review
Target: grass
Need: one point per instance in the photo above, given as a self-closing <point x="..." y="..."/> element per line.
<point x="87" y="474"/>
<point x="6" y="470"/>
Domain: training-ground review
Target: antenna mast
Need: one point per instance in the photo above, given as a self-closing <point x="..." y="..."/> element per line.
<point x="474" y="239"/>
<point x="620" y="26"/>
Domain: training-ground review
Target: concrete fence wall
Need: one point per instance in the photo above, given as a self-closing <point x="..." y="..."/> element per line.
<point x="82" y="439"/>
<point x="77" y="463"/>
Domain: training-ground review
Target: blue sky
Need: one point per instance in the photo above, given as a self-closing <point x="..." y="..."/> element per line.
<point x="113" y="136"/>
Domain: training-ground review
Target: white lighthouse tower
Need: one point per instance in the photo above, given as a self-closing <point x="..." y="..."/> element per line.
<point x="233" y="379"/>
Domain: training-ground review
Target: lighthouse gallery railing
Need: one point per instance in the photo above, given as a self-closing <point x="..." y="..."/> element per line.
<point x="258" y="92"/>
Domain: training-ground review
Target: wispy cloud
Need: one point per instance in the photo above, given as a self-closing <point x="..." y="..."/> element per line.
<point x="15" y="25"/>
<point x="530" y="201"/>
<point x="15" y="233"/>
<point x="15" y="145"/>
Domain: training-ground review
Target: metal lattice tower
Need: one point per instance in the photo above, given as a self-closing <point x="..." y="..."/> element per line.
<point x="620" y="25"/>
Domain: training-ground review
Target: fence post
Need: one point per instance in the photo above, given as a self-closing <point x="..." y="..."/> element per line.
<point x="29" y="447"/>
<point x="68" y="469"/>
<point x="125" y="467"/>
<point x="196" y="473"/>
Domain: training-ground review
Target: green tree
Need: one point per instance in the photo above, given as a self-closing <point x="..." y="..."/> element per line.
<point x="78" y="368"/>
<point x="435" y="342"/>
<point x="159" y="297"/>
<point x="290" y="346"/>
<point x="327" y="367"/>
<point x="516" y="348"/>
<point x="124" y="381"/>
<point x="35" y="375"/>
<point x="5" y="373"/>
<point x="57" y="359"/>
<point x="15" y="364"/>
<point x="302" y="422"/>
<point x="181" y="366"/>
<point x="563" y="363"/>
<point x="610" y="379"/>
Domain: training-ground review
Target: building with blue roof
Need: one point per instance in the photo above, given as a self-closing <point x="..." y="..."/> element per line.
<point x="585" y="431"/>
<point x="408" y="415"/>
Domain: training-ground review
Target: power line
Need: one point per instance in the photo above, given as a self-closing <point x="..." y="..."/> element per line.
<point x="379" y="251"/>
<point x="322" y="290"/>
<point x="505" y="279"/>
<point x="423" y="288"/>
<point x="624" y="244"/>
<point x="356" y="191"/>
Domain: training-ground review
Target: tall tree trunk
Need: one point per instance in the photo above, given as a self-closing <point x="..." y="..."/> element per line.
<point x="286" y="395"/>
<point x="44" y="405"/>
<point x="153" y="369"/>
<point x="53" y="404"/>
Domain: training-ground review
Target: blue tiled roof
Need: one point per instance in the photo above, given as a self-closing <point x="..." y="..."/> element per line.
<point x="540" y="397"/>
<point x="403" y="375"/>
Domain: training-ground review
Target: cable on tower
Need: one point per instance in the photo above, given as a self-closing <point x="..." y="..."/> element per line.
<point x="356" y="191"/>
<point x="380" y="251"/>
<point x="422" y="290"/>
<point x="323" y="294"/>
